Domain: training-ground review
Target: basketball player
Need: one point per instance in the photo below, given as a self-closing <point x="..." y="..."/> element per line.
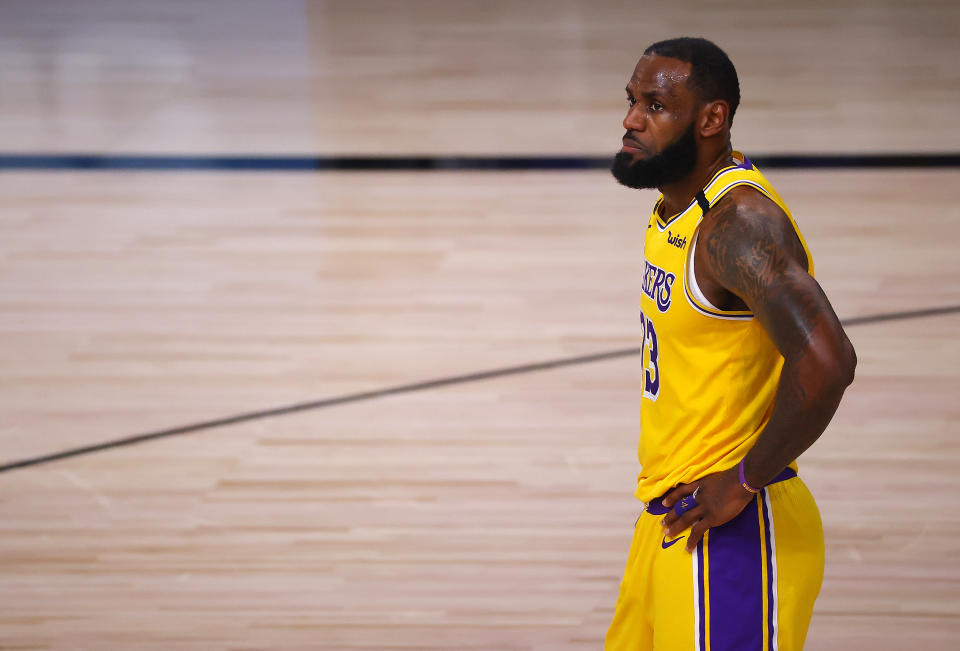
<point x="744" y="365"/>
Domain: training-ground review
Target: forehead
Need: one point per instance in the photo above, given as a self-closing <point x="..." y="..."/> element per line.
<point x="661" y="75"/>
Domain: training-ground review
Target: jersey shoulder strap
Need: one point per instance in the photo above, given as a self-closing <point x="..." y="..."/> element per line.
<point x="747" y="174"/>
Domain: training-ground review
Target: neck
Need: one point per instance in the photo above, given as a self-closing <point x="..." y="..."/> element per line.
<point x="678" y="196"/>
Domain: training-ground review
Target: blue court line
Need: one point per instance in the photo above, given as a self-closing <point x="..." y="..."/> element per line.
<point x="409" y="388"/>
<point x="279" y="163"/>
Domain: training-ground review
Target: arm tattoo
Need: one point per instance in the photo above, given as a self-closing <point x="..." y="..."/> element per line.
<point x="752" y="250"/>
<point x="757" y="256"/>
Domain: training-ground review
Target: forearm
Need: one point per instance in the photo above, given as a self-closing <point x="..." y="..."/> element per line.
<point x="807" y="397"/>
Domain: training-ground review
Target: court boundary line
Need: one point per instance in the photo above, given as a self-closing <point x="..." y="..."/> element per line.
<point x="146" y="162"/>
<point x="410" y="388"/>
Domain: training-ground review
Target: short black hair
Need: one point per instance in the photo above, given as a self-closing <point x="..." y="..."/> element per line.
<point x="712" y="75"/>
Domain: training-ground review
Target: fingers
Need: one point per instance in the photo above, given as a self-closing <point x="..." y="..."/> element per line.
<point x="678" y="493"/>
<point x="675" y="524"/>
<point x="696" y="533"/>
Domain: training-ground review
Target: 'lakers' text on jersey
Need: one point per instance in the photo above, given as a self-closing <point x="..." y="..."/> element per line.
<point x="709" y="375"/>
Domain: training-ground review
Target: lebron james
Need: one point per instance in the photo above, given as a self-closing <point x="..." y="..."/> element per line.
<point x="744" y="365"/>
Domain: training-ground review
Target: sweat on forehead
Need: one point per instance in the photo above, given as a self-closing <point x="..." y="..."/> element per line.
<point x="662" y="74"/>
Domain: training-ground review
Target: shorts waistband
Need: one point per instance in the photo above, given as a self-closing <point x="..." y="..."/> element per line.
<point x="656" y="507"/>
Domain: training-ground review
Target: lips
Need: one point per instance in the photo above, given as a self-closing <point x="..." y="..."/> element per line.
<point x="633" y="147"/>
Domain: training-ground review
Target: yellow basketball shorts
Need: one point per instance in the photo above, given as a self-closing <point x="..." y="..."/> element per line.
<point x="748" y="586"/>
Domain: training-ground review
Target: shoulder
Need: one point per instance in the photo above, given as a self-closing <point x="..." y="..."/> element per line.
<point x="746" y="224"/>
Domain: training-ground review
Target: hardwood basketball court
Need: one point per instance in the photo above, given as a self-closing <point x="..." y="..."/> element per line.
<point x="352" y="449"/>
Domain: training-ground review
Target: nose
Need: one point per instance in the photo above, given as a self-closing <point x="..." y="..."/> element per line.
<point x="635" y="120"/>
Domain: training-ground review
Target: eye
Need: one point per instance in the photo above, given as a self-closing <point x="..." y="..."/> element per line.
<point x="631" y="101"/>
<point x="656" y="106"/>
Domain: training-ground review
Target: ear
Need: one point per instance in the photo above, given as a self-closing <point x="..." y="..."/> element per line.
<point x="714" y="118"/>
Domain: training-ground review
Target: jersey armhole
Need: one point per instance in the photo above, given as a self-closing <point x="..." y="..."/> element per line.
<point x="695" y="296"/>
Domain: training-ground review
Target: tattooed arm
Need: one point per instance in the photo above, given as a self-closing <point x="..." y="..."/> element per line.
<point x="748" y="255"/>
<point x="753" y="252"/>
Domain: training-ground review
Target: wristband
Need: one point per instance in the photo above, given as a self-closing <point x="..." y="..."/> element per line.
<point x="743" y="480"/>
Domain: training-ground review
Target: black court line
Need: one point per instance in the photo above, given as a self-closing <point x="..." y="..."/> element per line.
<point x="282" y="163"/>
<point x="898" y="316"/>
<point x="408" y="388"/>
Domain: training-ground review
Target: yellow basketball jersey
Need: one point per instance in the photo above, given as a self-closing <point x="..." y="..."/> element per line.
<point x="710" y="375"/>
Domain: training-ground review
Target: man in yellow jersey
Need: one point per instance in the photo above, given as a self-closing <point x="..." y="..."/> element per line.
<point x="744" y="365"/>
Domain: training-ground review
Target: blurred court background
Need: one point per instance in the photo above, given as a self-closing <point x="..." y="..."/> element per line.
<point x="490" y="511"/>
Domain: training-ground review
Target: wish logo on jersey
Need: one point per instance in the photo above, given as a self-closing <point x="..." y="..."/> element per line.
<point x="658" y="285"/>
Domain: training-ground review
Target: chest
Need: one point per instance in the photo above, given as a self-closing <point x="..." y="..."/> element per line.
<point x="667" y="247"/>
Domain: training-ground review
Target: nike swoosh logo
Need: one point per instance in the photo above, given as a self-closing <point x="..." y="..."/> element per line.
<point x="666" y="544"/>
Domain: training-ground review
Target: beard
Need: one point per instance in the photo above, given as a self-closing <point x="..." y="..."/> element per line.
<point x="676" y="161"/>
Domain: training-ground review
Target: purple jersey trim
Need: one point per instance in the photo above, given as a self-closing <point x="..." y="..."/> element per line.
<point x="656" y="507"/>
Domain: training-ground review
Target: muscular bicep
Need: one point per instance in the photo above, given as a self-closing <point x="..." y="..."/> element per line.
<point x="793" y="309"/>
<point x="752" y="251"/>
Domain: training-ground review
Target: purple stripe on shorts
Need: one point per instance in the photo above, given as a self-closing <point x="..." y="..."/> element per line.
<point x="766" y="527"/>
<point x="736" y="583"/>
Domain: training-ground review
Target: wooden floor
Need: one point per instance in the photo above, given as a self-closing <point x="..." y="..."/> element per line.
<point x="459" y="76"/>
<point x="490" y="513"/>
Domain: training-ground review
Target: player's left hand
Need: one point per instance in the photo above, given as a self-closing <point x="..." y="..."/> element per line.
<point x="720" y="498"/>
